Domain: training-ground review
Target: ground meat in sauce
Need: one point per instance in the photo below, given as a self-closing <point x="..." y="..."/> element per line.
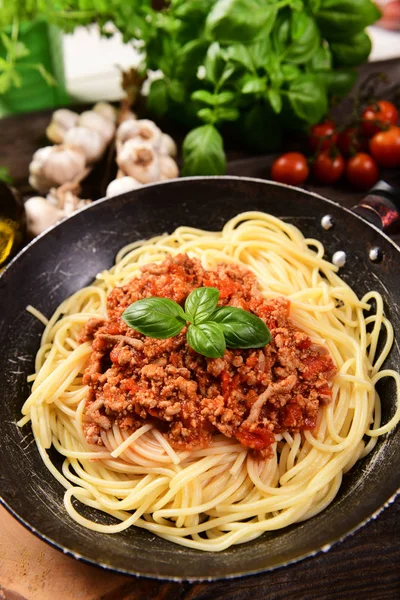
<point x="248" y="394"/>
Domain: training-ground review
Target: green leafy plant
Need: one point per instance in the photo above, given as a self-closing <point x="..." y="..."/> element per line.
<point x="248" y="67"/>
<point x="16" y="50"/>
<point x="210" y="328"/>
<point x="252" y="67"/>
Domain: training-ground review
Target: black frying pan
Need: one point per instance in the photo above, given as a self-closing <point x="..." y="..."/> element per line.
<point x="69" y="256"/>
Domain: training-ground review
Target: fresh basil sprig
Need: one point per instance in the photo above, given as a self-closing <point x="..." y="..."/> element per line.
<point x="241" y="328"/>
<point x="211" y="329"/>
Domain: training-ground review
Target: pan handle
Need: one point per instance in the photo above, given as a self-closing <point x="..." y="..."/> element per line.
<point x="381" y="207"/>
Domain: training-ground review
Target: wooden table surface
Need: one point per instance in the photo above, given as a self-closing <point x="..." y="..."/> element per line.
<point x="365" y="566"/>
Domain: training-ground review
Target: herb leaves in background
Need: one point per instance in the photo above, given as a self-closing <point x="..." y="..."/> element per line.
<point x="211" y="329"/>
<point x="251" y="68"/>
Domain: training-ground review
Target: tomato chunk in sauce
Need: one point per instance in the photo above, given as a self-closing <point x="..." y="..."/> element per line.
<point x="249" y="395"/>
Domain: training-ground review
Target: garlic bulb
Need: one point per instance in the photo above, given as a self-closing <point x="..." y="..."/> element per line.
<point x="89" y="141"/>
<point x="40" y="215"/>
<point x="93" y="120"/>
<point x="143" y="129"/>
<point x="62" y="121"/>
<point x="139" y="160"/>
<point x="168" y="146"/>
<point x="122" y="185"/>
<point x="65" y="198"/>
<point x="168" y="168"/>
<point x="55" y="165"/>
<point x="106" y="110"/>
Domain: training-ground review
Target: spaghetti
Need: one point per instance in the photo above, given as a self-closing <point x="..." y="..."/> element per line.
<point x="223" y="494"/>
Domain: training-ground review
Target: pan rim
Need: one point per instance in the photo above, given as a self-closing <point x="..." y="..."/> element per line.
<point x="267" y="182"/>
<point x="201" y="579"/>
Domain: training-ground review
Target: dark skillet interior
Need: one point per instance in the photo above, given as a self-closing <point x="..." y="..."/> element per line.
<point x="67" y="258"/>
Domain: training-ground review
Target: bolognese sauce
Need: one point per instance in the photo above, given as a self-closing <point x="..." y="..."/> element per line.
<point x="249" y="395"/>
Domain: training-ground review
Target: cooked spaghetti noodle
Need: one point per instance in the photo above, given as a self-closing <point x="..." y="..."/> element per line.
<point x="223" y="494"/>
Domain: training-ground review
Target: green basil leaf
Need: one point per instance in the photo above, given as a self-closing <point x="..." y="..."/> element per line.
<point x="157" y="100"/>
<point x="214" y="63"/>
<point x="275" y="100"/>
<point x="200" y="304"/>
<point x="223" y="113"/>
<point x="238" y="53"/>
<point x="352" y="52"/>
<point x="251" y="84"/>
<point x="233" y="21"/>
<point x="308" y="98"/>
<point x="241" y="328"/>
<point x="281" y="33"/>
<point x="314" y="5"/>
<point x="213" y="99"/>
<point x="192" y="10"/>
<point x="290" y="72"/>
<point x="203" y="152"/>
<point x="307" y="41"/>
<point x="339" y="82"/>
<point x="300" y="22"/>
<point x="159" y="318"/>
<point x="296" y="4"/>
<point x="203" y="96"/>
<point x="224" y="98"/>
<point x="339" y="19"/>
<point x="207" y="115"/>
<point x="260" y="52"/>
<point x="207" y="339"/>
<point x="322" y="59"/>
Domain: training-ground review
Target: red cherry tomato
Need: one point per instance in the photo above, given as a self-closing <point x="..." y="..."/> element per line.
<point x="291" y="168"/>
<point x="362" y="171"/>
<point x="328" y="168"/>
<point x="378" y="117"/>
<point x="385" y="147"/>
<point x="322" y="136"/>
<point x="351" y="141"/>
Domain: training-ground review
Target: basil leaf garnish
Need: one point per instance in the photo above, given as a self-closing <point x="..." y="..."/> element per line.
<point x="200" y="304"/>
<point x="159" y="318"/>
<point x="207" y="339"/>
<point x="241" y="329"/>
<point x="211" y="328"/>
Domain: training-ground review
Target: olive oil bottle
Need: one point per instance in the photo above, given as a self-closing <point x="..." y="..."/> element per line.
<point x="12" y="223"/>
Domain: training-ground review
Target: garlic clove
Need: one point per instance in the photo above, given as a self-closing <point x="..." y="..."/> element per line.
<point x="139" y="160"/>
<point x="143" y="128"/>
<point x="55" y="133"/>
<point x="64" y="164"/>
<point x="168" y="168"/>
<point x="89" y="141"/>
<point x="62" y="121"/>
<point x="106" y="110"/>
<point x="40" y="215"/>
<point x="65" y="118"/>
<point x="94" y="120"/>
<point x="168" y="145"/>
<point x="41" y="155"/>
<point x="122" y="185"/>
<point x="120" y="174"/>
<point x="55" y="165"/>
<point x="40" y="183"/>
